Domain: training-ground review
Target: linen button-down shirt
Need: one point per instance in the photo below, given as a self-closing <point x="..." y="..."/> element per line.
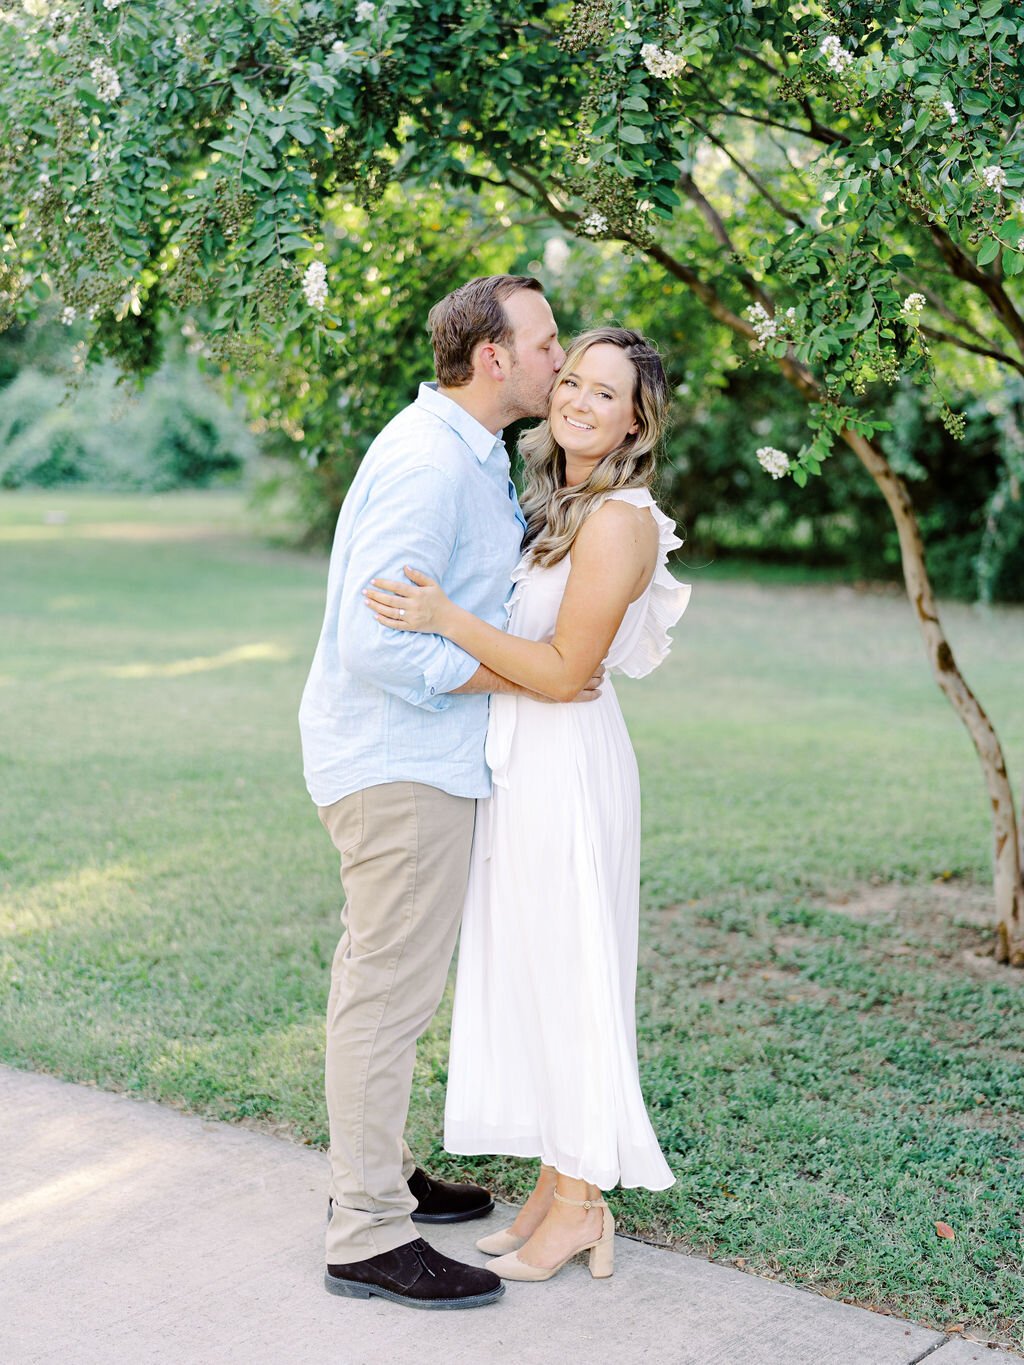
<point x="433" y="492"/>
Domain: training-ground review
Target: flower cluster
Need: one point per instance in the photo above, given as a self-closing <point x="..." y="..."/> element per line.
<point x="314" y="285"/>
<point x="994" y="178"/>
<point x="594" y="224"/>
<point x="773" y="462"/>
<point x="950" y="109"/>
<point x="660" y="62"/>
<point x="764" y="325"/>
<point x="108" y="87"/>
<point x="913" y="305"/>
<point x="112" y="4"/>
<point x="365" y="12"/>
<point x="837" y="58"/>
<point x="68" y="316"/>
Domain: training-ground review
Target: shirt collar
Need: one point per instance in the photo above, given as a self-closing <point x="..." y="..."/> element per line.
<point x="480" y="441"/>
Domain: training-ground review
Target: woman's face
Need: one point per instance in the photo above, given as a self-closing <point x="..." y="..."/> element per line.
<point x="592" y="405"/>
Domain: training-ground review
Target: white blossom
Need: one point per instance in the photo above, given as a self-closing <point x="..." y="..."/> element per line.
<point x="773" y="462"/>
<point x="112" y="4"/>
<point x="108" y="86"/>
<point x="594" y="224"/>
<point x="130" y="303"/>
<point x="763" y="323"/>
<point x="314" y="285"/>
<point x="950" y="109"/>
<point x="994" y="178"/>
<point x="837" y="58"/>
<point x="556" y="254"/>
<point x="913" y="303"/>
<point x="365" y="12"/>
<point x="35" y="9"/>
<point x="341" y="49"/>
<point x="1020" y="243"/>
<point x="660" y="62"/>
<point x="68" y="316"/>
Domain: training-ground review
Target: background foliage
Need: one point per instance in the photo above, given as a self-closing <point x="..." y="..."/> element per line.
<point x="295" y="180"/>
<point x="59" y="429"/>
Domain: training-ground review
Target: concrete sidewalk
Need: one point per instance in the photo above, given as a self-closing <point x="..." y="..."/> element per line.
<point x="131" y="1234"/>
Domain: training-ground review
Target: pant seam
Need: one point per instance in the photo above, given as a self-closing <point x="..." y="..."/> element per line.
<point x="394" y="966"/>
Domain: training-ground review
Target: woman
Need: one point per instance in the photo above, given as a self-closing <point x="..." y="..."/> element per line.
<point x="543" y="1056"/>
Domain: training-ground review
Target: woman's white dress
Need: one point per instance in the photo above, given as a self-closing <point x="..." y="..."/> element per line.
<point x="543" y="1052"/>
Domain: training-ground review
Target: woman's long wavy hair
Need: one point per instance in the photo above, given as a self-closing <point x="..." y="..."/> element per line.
<point x="555" y="513"/>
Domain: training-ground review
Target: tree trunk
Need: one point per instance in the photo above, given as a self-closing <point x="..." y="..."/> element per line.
<point x="1008" y="849"/>
<point x="1009" y="886"/>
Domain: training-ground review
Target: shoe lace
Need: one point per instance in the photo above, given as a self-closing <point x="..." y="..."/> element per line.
<point x="419" y="1247"/>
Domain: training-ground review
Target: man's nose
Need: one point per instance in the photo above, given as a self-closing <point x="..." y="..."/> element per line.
<point x="559" y="356"/>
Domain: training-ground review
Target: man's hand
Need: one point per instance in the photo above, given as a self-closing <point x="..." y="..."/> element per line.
<point x="593" y="688"/>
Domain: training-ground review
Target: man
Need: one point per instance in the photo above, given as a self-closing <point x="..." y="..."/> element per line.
<point x="393" y="728"/>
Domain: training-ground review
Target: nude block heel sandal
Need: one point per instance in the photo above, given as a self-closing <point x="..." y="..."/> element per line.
<point x="602" y="1252"/>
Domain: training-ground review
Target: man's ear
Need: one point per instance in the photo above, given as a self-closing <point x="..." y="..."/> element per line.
<point x="487" y="361"/>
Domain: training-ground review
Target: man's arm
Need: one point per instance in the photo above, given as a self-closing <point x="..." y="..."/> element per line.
<point x="409" y="512"/>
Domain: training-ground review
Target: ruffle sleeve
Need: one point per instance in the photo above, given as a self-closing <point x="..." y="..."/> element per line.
<point x="648" y="642"/>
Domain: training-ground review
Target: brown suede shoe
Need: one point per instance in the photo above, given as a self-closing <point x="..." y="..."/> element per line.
<point x="440" y="1201"/>
<point x="415" y="1275"/>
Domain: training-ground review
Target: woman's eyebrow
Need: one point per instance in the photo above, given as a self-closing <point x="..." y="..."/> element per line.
<point x="571" y="374"/>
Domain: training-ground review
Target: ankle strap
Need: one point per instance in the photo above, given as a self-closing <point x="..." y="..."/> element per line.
<point x="581" y="1203"/>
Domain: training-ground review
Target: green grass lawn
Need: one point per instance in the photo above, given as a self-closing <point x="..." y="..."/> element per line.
<point x="831" y="1058"/>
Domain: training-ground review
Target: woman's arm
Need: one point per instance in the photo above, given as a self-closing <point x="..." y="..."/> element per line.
<point x="613" y="558"/>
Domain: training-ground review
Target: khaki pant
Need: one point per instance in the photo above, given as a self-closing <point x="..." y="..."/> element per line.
<point x="404" y="867"/>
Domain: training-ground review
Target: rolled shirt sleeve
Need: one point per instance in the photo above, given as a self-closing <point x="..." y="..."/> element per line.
<point x="410" y="517"/>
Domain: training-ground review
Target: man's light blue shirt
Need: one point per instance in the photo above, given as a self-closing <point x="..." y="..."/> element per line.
<point x="434" y="492"/>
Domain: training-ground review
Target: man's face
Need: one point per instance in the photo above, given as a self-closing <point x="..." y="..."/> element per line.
<point x="536" y="358"/>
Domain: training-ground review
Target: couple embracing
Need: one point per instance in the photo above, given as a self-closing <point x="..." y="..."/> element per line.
<point x="469" y="760"/>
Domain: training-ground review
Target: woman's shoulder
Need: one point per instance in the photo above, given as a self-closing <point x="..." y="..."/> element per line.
<point x="617" y="515"/>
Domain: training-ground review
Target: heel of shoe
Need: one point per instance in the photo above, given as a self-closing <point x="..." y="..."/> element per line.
<point x="602" y="1253"/>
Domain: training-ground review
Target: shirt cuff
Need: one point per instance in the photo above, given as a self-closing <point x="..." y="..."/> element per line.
<point x="453" y="668"/>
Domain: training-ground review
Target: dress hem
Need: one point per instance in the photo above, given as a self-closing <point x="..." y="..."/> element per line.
<point x="527" y="1150"/>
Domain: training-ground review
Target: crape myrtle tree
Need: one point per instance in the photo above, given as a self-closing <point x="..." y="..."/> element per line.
<point x="189" y="160"/>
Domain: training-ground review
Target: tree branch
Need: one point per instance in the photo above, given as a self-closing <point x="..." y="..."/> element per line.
<point x="964" y="268"/>
<point x="991" y="352"/>
<point x="721" y="235"/>
<point x="757" y="183"/>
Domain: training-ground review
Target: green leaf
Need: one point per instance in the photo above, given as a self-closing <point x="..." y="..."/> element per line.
<point x="988" y="251"/>
<point x="635" y="136"/>
<point x="800" y="477"/>
<point x="261" y="177"/>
